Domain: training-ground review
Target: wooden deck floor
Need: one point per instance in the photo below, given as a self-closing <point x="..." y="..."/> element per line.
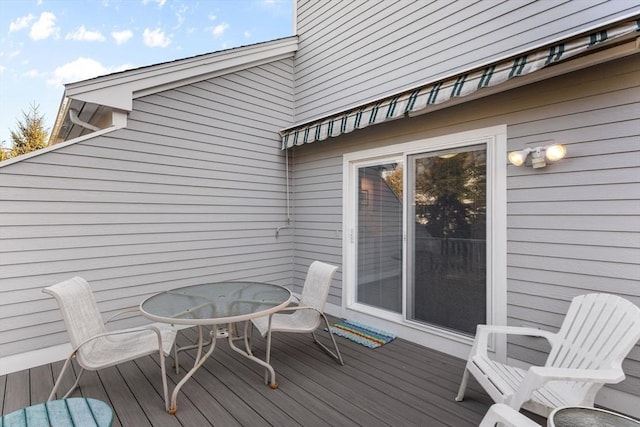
<point x="399" y="384"/>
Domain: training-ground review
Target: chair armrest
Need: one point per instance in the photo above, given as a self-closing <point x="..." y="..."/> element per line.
<point x="121" y="332"/>
<point x="481" y="341"/>
<point x="515" y="330"/>
<point x="135" y="309"/>
<point x="547" y="374"/>
<point x="290" y="310"/>
<point x="296" y="308"/>
<point x="538" y="376"/>
<point x="504" y="414"/>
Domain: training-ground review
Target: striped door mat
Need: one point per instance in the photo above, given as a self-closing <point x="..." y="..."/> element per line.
<point x="362" y="334"/>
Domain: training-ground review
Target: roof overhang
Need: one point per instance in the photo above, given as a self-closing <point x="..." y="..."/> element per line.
<point x="569" y="54"/>
<point x="96" y="100"/>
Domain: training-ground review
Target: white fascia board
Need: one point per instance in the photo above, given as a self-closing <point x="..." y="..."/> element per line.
<point x="60" y="116"/>
<point x="119" y="89"/>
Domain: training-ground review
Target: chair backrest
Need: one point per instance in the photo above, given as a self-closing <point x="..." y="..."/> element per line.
<point x="79" y="309"/>
<point x="598" y="332"/>
<point x="316" y="285"/>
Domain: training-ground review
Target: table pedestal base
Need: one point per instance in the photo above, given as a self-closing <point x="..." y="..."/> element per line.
<point x="227" y="333"/>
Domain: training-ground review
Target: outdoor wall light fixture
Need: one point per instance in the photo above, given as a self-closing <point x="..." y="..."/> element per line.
<point x="538" y="154"/>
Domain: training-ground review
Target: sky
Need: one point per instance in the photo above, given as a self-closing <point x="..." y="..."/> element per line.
<point x="47" y="43"/>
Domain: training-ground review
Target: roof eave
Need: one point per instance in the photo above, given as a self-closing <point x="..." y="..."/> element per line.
<point x="118" y="90"/>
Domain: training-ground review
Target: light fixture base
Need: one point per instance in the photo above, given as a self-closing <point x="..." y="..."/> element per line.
<point x="538" y="162"/>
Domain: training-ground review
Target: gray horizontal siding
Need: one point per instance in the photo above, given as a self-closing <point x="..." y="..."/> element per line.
<point x="191" y="191"/>
<point x="355" y="51"/>
<point x="317" y="192"/>
<point x="572" y="227"/>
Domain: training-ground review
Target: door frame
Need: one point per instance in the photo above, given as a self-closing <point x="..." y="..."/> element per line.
<point x="458" y="345"/>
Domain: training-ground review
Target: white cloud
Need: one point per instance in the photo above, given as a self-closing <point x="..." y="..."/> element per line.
<point x="83" y="34"/>
<point x="44" y="27"/>
<point x="2" y="68"/>
<point x="212" y="17"/>
<point x="33" y="73"/>
<point x="272" y="3"/>
<point x="159" y="2"/>
<point x="247" y="34"/>
<point x="21" y="23"/>
<point x="180" y="15"/>
<point x="219" y="29"/>
<point x="121" y="37"/>
<point x="81" y="69"/>
<point x="155" y="38"/>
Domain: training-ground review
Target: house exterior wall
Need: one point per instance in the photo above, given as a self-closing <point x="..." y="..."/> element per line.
<point x="572" y="227"/>
<point x="352" y="52"/>
<point x="192" y="190"/>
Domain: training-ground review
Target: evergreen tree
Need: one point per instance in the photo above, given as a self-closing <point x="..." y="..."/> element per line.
<point x="4" y="152"/>
<point x="31" y="134"/>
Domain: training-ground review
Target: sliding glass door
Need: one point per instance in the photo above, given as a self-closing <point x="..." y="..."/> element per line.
<point x="446" y="220"/>
<point x="418" y="250"/>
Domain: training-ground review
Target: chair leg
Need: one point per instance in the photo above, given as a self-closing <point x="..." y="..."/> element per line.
<point x="163" y="369"/>
<point x="57" y="383"/>
<point x="463" y="385"/>
<point x="75" y="384"/>
<point x="268" y="355"/>
<point x="67" y="363"/>
<point x="335" y="355"/>
<point x="176" y="362"/>
<point x="248" y="334"/>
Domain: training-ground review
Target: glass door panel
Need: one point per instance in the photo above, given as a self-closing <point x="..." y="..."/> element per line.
<point x="446" y="224"/>
<point x="379" y="231"/>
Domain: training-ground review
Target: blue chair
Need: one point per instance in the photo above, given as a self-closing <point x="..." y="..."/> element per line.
<point x="75" y="411"/>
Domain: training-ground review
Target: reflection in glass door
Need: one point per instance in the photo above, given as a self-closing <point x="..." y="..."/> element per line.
<point x="379" y="231"/>
<point x="447" y="238"/>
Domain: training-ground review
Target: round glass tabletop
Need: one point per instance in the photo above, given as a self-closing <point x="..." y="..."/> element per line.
<point x="588" y="417"/>
<point x="215" y="303"/>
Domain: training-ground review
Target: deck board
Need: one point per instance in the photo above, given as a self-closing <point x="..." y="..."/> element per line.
<point x="400" y="383"/>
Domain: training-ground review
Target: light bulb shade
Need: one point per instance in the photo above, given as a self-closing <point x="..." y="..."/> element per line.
<point x="517" y="158"/>
<point x="555" y="152"/>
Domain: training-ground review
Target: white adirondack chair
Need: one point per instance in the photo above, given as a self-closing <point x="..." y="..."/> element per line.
<point x="598" y="332"/>
<point x="500" y="414"/>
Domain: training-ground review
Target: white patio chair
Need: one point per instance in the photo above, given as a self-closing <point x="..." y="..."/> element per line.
<point x="596" y="335"/>
<point x="307" y="315"/>
<point x="94" y="347"/>
<point x="500" y="414"/>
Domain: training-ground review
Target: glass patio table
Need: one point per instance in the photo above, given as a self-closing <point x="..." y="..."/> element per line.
<point x="580" y="416"/>
<point x="219" y="306"/>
